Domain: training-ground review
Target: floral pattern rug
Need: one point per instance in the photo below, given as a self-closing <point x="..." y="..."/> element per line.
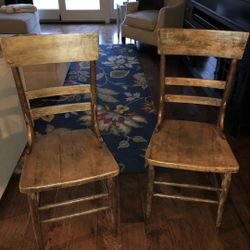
<point x="126" y="113"/>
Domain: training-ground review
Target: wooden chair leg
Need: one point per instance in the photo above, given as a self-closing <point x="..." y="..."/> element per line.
<point x="33" y="200"/>
<point x="115" y="203"/>
<point x="151" y="176"/>
<point x="225" y="187"/>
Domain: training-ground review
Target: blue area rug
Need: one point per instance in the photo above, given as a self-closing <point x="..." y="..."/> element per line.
<point x="126" y="113"/>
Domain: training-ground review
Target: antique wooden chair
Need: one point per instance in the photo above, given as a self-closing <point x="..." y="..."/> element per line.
<point x="63" y="158"/>
<point x="191" y="145"/>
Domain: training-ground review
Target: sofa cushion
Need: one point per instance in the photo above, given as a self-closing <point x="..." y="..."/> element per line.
<point x="145" y="19"/>
<point x="170" y="2"/>
<point x="44" y="76"/>
<point x="150" y="5"/>
<point x="18" y="23"/>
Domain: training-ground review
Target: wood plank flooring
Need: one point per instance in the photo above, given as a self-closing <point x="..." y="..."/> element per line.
<point x="174" y="224"/>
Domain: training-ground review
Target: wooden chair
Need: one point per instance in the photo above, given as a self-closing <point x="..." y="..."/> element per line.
<point x="189" y="145"/>
<point x="62" y="158"/>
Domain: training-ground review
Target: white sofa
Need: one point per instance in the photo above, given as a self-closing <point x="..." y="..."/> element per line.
<point x="19" y="23"/>
<point x="39" y="76"/>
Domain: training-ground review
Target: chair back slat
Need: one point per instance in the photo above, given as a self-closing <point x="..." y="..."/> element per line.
<point x="45" y="49"/>
<point x="193" y="82"/>
<point x="59" y="109"/>
<point x="200" y="100"/>
<point x="193" y="42"/>
<point x="226" y="44"/>
<point x="57" y="91"/>
<point x="31" y="50"/>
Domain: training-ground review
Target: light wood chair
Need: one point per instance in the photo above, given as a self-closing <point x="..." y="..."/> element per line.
<point x="62" y="159"/>
<point x="191" y="145"/>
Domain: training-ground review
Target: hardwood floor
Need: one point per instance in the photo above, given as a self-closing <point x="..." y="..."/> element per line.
<point x="174" y="224"/>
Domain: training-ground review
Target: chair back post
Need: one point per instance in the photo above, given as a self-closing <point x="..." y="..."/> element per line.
<point x="161" y="112"/>
<point x="187" y="144"/>
<point x="226" y="95"/>
<point x="94" y="120"/>
<point x="31" y="50"/>
<point x="63" y="159"/>
<point x="209" y="43"/>
<point x="24" y="105"/>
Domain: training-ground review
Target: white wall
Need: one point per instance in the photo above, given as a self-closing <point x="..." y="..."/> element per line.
<point x="12" y="127"/>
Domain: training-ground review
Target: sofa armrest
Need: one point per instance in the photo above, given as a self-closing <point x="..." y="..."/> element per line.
<point x="132" y="7"/>
<point x="171" y="16"/>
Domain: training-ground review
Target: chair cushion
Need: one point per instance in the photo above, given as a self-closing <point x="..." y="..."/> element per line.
<point x="145" y="19"/>
<point x="18" y="23"/>
<point x="191" y="145"/>
<point x="150" y="5"/>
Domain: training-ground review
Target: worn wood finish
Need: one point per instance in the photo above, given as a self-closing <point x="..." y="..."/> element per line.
<point x="178" y="225"/>
<point x="33" y="200"/>
<point x="24" y="105"/>
<point x="188" y="145"/>
<point x="59" y="109"/>
<point x="62" y="158"/>
<point x="70" y="216"/>
<point x="114" y="203"/>
<point x="184" y="198"/>
<point x="192" y="146"/>
<point x="173" y="184"/>
<point x="161" y="112"/>
<point x="193" y="100"/>
<point x="184" y="81"/>
<point x="151" y="176"/>
<point x="57" y="91"/>
<point x="226" y="44"/>
<point x="72" y="158"/>
<point x="94" y="122"/>
<point x="225" y="188"/>
<point x="227" y="92"/>
<point x="60" y="204"/>
<point x="45" y="49"/>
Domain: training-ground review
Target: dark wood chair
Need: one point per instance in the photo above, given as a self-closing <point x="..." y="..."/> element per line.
<point x="191" y="145"/>
<point x="63" y="158"/>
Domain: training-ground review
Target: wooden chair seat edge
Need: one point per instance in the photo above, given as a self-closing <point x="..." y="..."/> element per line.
<point x="189" y="167"/>
<point x="40" y="188"/>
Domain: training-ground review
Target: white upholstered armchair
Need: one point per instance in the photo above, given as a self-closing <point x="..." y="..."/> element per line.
<point x="142" y="25"/>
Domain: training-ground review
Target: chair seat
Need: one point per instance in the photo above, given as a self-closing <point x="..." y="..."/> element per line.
<point x="66" y="158"/>
<point x="191" y="145"/>
<point x="145" y="19"/>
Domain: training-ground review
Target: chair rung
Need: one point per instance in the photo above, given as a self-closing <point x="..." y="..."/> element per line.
<point x="76" y="214"/>
<point x="172" y="184"/>
<point x="185" y="198"/>
<point x="60" y="204"/>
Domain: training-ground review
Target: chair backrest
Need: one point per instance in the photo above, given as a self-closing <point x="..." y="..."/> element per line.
<point x="169" y="2"/>
<point x="29" y="50"/>
<point x="193" y="42"/>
